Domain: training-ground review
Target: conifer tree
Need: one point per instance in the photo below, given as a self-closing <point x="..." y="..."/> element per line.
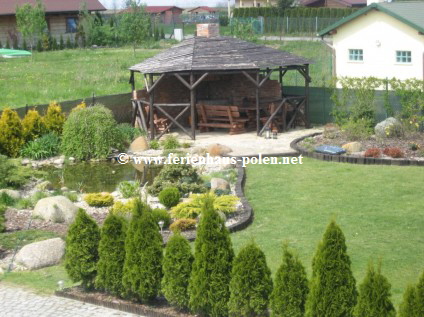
<point x="33" y="125"/>
<point x="81" y="253"/>
<point x="111" y="255"/>
<point x="211" y="273"/>
<point x="408" y="307"/>
<point x="251" y="283"/>
<point x="420" y="296"/>
<point x="143" y="258"/>
<point x="374" y="296"/>
<point x="332" y="289"/>
<point x="177" y="265"/>
<point x="11" y="133"/>
<point x="290" y="288"/>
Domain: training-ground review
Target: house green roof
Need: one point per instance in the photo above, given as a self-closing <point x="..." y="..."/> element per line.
<point x="408" y="12"/>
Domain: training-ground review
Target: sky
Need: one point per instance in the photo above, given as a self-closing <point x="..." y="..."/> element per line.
<point x="181" y="3"/>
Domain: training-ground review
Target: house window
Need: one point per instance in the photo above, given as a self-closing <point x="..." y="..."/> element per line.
<point x="403" y="57"/>
<point x="356" y="55"/>
<point x="71" y="25"/>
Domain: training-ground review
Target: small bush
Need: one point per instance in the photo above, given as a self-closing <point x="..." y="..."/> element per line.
<point x="55" y="118"/>
<point x="129" y="189"/>
<point x="331" y="131"/>
<point x="413" y="146"/>
<point x="127" y="133"/>
<point x="33" y="125"/>
<point x="170" y="143"/>
<point x="185" y="145"/>
<point x="81" y="105"/>
<point x="99" y="199"/>
<point x="46" y="146"/>
<point x="393" y="152"/>
<point x="6" y="200"/>
<point x="162" y="215"/>
<point x="37" y="196"/>
<point x="154" y="145"/>
<point x="2" y="218"/>
<point x="373" y="152"/>
<point x="169" y="197"/>
<point x="24" y="203"/>
<point x="357" y="130"/>
<point x="12" y="135"/>
<point x="125" y="209"/>
<point x="71" y="196"/>
<point x="183" y="224"/>
<point x="13" y="175"/>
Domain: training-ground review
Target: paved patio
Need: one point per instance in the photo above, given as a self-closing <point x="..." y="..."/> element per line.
<point x="249" y="144"/>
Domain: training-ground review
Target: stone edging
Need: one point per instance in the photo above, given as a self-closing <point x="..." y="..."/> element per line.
<point x="351" y="159"/>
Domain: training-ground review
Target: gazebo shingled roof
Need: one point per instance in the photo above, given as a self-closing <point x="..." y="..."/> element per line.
<point x="217" y="54"/>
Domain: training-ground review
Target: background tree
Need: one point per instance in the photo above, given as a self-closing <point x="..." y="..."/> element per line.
<point x="374" y="296"/>
<point x="81" y="253"/>
<point x="284" y="4"/>
<point x="31" y="21"/>
<point x="211" y="273"/>
<point x="111" y="255"/>
<point x="332" y="291"/>
<point x="177" y="265"/>
<point x="251" y="283"/>
<point x="290" y="287"/>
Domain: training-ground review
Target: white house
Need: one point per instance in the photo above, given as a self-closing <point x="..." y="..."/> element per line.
<point x="384" y="40"/>
<point x="255" y="3"/>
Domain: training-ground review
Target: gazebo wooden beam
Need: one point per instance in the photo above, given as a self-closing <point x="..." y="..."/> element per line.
<point x="152" y="86"/>
<point x="193" y="86"/>
<point x="151" y="109"/>
<point x="193" y="104"/>
<point x="181" y="79"/>
<point x="255" y="82"/>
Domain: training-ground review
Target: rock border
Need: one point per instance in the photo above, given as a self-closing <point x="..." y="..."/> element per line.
<point x="350" y="159"/>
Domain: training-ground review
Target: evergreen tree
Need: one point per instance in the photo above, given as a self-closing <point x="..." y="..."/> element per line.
<point x="68" y="43"/>
<point x="420" y="296"/>
<point x="81" y="249"/>
<point x="177" y="265"/>
<point x="24" y="45"/>
<point x="251" y="283"/>
<point x="332" y="290"/>
<point x="374" y="296"/>
<point x="7" y="43"/>
<point x="211" y="273"/>
<point x="162" y="34"/>
<point x="39" y="47"/>
<point x="143" y="258"/>
<point x="61" y="43"/>
<point x="156" y="34"/>
<point x="111" y="255"/>
<point x="408" y="307"/>
<point x="290" y="288"/>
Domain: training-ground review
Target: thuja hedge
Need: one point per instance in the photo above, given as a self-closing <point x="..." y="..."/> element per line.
<point x="292" y="12"/>
<point x="129" y="262"/>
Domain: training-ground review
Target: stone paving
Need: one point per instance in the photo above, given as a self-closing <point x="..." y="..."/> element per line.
<point x="16" y="302"/>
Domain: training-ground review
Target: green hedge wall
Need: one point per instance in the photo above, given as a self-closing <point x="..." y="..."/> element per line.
<point x="293" y="12"/>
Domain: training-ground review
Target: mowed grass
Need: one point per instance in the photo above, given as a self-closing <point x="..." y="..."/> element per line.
<point x="379" y="208"/>
<point x="67" y="75"/>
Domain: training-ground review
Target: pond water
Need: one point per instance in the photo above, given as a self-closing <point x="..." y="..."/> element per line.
<point x="98" y="177"/>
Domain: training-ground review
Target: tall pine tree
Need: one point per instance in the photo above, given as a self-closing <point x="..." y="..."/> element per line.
<point x="332" y="291"/>
<point x="408" y="307"/>
<point x="210" y="278"/>
<point x="374" y="296"/>
<point x="81" y="253"/>
<point x="177" y="265"/>
<point x="251" y="283"/>
<point x="143" y="257"/>
<point x="111" y="255"/>
<point x="290" y="287"/>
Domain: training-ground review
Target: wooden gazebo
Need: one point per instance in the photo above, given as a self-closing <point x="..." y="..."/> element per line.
<point x="194" y="60"/>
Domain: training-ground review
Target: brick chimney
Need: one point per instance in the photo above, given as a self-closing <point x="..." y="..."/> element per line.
<point x="208" y="30"/>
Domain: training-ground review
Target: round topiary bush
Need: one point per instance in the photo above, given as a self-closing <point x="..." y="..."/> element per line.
<point x="99" y="199"/>
<point x="162" y="215"/>
<point x="169" y="197"/>
<point x="90" y="133"/>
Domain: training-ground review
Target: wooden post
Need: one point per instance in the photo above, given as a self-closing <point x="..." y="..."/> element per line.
<point x="193" y="106"/>
<point x="280" y="73"/>
<point x="151" y="112"/>
<point x="257" y="104"/>
<point x="308" y="125"/>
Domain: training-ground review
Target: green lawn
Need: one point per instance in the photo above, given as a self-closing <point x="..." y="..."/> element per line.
<point x="379" y="208"/>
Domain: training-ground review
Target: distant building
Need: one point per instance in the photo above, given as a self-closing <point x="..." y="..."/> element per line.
<point x="333" y="3"/>
<point x="202" y="9"/>
<point x="61" y="17"/>
<point x="166" y="14"/>
<point x="383" y="40"/>
<point x="255" y="3"/>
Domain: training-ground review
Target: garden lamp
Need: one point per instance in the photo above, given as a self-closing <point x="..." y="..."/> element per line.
<point x="161" y="223"/>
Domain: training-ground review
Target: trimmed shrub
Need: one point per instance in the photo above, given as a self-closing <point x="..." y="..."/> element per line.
<point x="12" y="135"/>
<point x="169" y="197"/>
<point x="13" y="175"/>
<point x="290" y="288"/>
<point x="170" y="143"/>
<point x="6" y="200"/>
<point x="124" y="209"/>
<point x="33" y="125"/>
<point x="177" y="265"/>
<point x="111" y="255"/>
<point x="331" y="274"/>
<point x="143" y="259"/>
<point x="211" y="274"/>
<point x="251" y="283"/>
<point x="46" y="146"/>
<point x="81" y="253"/>
<point x="129" y="189"/>
<point x="99" y="129"/>
<point x="99" y="199"/>
<point x="3" y="219"/>
<point x="55" y="118"/>
<point x="374" y="296"/>
<point x="183" y="224"/>
<point x="372" y="152"/>
<point x="154" y="145"/>
<point x="394" y="152"/>
<point x="408" y="307"/>
<point x="162" y="215"/>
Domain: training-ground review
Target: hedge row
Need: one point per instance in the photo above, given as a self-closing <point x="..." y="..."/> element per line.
<point x="293" y="12"/>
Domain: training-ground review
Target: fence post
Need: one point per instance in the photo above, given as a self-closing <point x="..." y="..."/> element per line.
<point x="316" y="24"/>
<point x="287" y="26"/>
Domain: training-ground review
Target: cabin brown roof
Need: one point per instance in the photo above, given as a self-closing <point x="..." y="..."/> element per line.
<point x="217" y="54"/>
<point x="8" y="7"/>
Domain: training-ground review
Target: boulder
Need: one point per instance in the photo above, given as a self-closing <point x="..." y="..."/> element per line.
<point x="139" y="145"/>
<point x="352" y="147"/>
<point x="59" y="161"/>
<point x="26" y="161"/>
<point x="391" y="127"/>
<point x="218" y="149"/>
<point x="46" y="185"/>
<point x="12" y="193"/>
<point x="57" y="209"/>
<point x="219" y="183"/>
<point x="41" y="254"/>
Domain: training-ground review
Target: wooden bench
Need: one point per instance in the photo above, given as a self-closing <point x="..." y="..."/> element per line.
<point x="220" y="116"/>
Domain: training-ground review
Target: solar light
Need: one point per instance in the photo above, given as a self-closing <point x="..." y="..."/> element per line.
<point x="274" y="135"/>
<point x="161" y="223"/>
<point x="267" y="133"/>
<point x="60" y="285"/>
